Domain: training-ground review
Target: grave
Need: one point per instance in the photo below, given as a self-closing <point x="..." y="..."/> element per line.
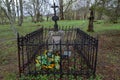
<point x="59" y="53"/>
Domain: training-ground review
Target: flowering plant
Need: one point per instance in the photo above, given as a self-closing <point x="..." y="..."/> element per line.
<point x="48" y="60"/>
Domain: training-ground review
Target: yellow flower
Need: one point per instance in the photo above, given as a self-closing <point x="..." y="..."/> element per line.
<point x="51" y="66"/>
<point x="37" y="61"/>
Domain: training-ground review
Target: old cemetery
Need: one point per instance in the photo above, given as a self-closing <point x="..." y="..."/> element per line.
<point x="59" y="53"/>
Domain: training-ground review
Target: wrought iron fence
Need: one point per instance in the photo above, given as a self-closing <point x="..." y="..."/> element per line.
<point x="70" y="51"/>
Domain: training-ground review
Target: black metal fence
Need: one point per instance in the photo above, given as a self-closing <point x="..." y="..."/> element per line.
<point x="71" y="52"/>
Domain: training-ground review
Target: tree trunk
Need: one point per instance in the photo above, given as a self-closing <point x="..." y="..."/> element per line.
<point x="13" y="11"/>
<point x="61" y="10"/>
<point x="10" y="14"/>
<point x="117" y="14"/>
<point x="33" y="3"/>
<point x="91" y="20"/>
<point x="86" y="8"/>
<point x="37" y="11"/>
<point x="8" y="8"/>
<point x="17" y="7"/>
<point x="21" y="13"/>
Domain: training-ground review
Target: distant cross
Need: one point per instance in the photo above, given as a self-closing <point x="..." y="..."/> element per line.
<point x="55" y="18"/>
<point x="54" y="7"/>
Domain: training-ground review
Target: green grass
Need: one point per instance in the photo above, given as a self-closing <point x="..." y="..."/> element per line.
<point x="6" y="30"/>
<point x="106" y="27"/>
<point x="8" y="47"/>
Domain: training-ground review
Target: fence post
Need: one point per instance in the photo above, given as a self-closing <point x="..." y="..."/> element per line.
<point x="18" y="45"/>
<point x="95" y="57"/>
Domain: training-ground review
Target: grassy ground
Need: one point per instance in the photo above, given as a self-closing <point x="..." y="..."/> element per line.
<point x="108" y="56"/>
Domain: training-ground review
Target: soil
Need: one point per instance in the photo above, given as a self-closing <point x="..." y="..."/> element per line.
<point x="109" y="57"/>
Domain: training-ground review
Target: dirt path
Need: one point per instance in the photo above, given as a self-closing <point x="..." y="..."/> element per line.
<point x="8" y="61"/>
<point x="109" y="57"/>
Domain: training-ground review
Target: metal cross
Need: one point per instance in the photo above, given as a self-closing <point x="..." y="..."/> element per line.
<point x="55" y="18"/>
<point x="54" y="7"/>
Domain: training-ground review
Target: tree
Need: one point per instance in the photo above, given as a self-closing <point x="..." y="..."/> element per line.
<point x="13" y="11"/>
<point x="91" y="20"/>
<point x="86" y="8"/>
<point x="21" y="13"/>
<point x="2" y="14"/>
<point x="61" y="10"/>
<point x="112" y="10"/>
<point x="116" y="11"/>
<point x="17" y="9"/>
<point x="100" y="8"/>
<point x="37" y="11"/>
<point x="34" y="9"/>
<point x="28" y="6"/>
<point x="66" y="9"/>
<point x="9" y="9"/>
<point x="109" y="8"/>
